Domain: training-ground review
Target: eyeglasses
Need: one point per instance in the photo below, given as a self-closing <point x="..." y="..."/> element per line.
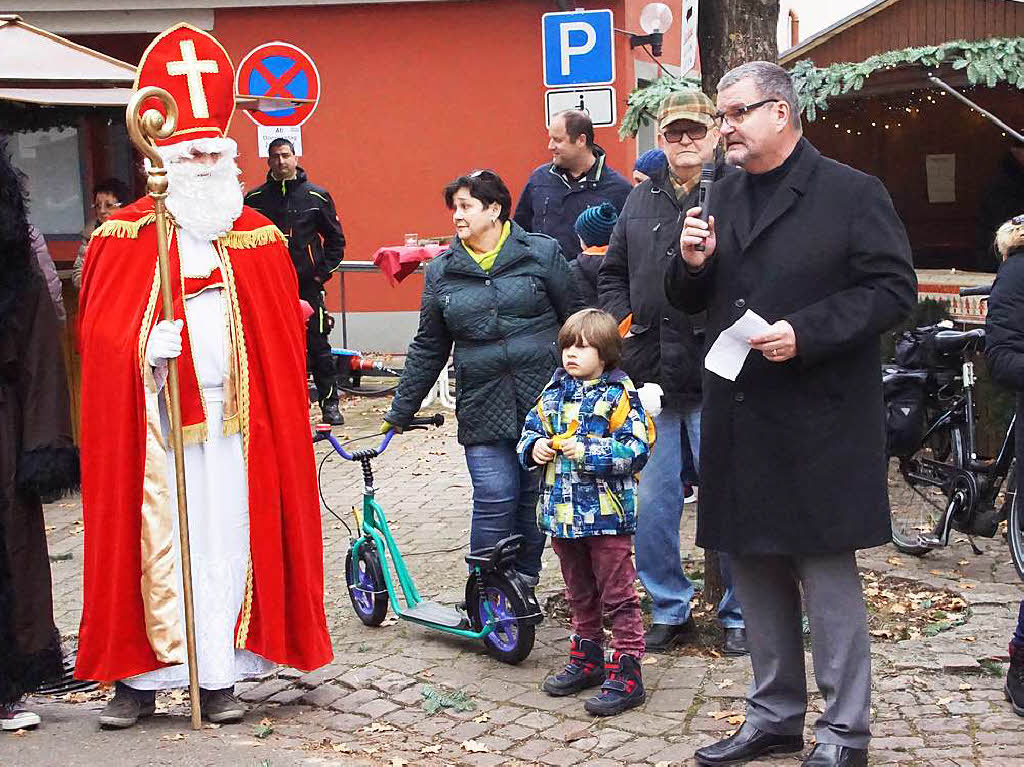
<point x="106" y="206"/>
<point x="737" y="115"/>
<point x="675" y="135"/>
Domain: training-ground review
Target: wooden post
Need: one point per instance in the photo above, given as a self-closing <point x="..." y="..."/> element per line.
<point x="143" y="129"/>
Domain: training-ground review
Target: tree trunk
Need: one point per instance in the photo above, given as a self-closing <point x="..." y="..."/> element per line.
<point x="733" y="32"/>
<point x="730" y="33"/>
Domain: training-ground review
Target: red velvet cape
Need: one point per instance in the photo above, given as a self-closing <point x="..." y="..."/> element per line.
<point x="287" y="623"/>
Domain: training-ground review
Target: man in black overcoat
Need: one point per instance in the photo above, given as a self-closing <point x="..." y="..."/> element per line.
<point x="793" y="477"/>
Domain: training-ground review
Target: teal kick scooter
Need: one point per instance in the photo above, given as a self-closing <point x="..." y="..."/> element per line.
<point x="499" y="609"/>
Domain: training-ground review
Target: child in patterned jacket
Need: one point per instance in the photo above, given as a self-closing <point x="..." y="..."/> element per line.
<point x="590" y="435"/>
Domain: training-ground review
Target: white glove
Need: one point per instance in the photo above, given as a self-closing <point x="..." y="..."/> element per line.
<point x="650" y="398"/>
<point x="164" y="343"/>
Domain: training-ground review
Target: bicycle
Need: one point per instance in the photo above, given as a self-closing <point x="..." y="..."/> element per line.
<point x="500" y="609"/>
<point x="937" y="483"/>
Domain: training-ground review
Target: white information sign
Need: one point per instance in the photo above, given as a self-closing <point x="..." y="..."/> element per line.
<point x="688" y="60"/>
<point x="599" y="103"/>
<point x="267" y="133"/>
<point x="941" y="172"/>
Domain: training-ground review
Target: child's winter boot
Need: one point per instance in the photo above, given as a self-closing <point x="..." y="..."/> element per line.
<point x="1015" y="680"/>
<point x="584" y="669"/>
<point x="623" y="689"/>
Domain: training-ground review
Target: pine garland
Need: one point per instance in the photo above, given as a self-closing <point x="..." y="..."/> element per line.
<point x="988" y="63"/>
<point x="642" y="104"/>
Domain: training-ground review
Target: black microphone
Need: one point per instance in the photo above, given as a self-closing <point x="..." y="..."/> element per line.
<point x="707" y="182"/>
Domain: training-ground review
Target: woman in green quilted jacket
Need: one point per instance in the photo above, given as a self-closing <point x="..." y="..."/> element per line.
<point x="494" y="301"/>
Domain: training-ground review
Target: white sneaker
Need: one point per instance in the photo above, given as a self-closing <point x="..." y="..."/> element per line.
<point x="14" y="717"/>
<point x="692" y="497"/>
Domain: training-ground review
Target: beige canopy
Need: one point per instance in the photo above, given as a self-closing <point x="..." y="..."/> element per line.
<point x="39" y="67"/>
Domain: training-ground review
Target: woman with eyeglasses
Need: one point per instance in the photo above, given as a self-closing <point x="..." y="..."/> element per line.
<point x="497" y="297"/>
<point x="107" y="197"/>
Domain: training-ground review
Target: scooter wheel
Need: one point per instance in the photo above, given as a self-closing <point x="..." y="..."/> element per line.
<point x="366" y="587"/>
<point x="512" y="640"/>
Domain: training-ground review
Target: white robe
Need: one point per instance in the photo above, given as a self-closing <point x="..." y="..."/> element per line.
<point x="218" y="501"/>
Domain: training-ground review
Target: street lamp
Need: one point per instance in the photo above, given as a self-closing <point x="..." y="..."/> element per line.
<point x="655" y="20"/>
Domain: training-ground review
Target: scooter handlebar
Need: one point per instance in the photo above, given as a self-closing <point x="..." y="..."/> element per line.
<point x="431" y="420"/>
<point x="323" y="431"/>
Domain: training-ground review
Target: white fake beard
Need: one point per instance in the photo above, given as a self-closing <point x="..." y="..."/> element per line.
<point x="204" y="200"/>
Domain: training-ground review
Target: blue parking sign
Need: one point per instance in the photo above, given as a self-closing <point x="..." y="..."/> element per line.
<point x="578" y="48"/>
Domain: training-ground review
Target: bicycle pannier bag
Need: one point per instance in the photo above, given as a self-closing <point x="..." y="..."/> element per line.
<point x="915" y="349"/>
<point x="904" y="392"/>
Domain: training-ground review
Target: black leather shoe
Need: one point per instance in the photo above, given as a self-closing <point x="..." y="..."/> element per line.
<point x="746" y="744"/>
<point x="831" y="755"/>
<point x="735" y="642"/>
<point x="661" y="637"/>
<point x="331" y="413"/>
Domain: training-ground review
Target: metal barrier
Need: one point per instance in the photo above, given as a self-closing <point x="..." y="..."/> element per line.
<point x="354" y="266"/>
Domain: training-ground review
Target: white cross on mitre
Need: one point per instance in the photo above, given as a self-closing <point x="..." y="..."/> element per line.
<point x="193" y="69"/>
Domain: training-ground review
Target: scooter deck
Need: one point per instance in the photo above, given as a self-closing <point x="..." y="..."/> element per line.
<point x="432" y="612"/>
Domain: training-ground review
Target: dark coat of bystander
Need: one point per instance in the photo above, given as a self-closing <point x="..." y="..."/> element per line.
<point x="37" y="456"/>
<point x="793" y="453"/>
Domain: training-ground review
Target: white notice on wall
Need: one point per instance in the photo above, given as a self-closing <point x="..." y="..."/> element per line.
<point x="941" y="170"/>
<point x="267" y="133"/>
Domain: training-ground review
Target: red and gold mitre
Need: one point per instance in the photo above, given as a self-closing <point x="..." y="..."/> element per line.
<point x="195" y="69"/>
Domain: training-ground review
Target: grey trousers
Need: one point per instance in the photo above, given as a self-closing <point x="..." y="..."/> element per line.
<point x="769" y="589"/>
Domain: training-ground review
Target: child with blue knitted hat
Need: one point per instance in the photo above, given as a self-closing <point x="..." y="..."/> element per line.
<point x="652" y="163"/>
<point x="594" y="228"/>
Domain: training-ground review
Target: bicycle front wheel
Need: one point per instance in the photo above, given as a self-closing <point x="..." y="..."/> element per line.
<point x="917" y="491"/>
<point x="1015" y="527"/>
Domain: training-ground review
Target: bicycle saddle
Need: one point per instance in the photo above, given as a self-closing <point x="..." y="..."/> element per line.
<point x="500" y="555"/>
<point x="954" y="342"/>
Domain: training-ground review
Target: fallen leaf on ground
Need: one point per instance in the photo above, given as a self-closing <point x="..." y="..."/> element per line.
<point x="965" y="686"/>
<point x="649" y="660"/>
<point x="174" y="736"/>
<point x="435" y="749"/>
<point x="484" y="717"/>
<point x="474" y="747"/>
<point x="945" y="700"/>
<point x="378" y="727"/>
<point x="738" y="719"/>
<point x="396" y="762"/>
<point x="725" y="683"/>
<point x="578" y="734"/>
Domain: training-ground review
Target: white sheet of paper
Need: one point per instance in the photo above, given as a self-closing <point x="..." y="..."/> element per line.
<point x="729" y="351"/>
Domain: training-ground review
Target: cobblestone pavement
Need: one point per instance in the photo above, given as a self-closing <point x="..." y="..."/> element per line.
<point x="938" y="700"/>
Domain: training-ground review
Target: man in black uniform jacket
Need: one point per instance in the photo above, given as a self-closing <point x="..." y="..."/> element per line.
<point x="305" y="213"/>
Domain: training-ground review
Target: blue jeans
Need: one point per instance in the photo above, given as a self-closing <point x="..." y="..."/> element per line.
<point x="1018" y="637"/>
<point x="658" y="560"/>
<point x="504" y="502"/>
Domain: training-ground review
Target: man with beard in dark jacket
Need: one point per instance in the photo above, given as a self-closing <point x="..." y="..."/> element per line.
<point x="305" y="213"/>
<point x="663" y="347"/>
<point x="576" y="179"/>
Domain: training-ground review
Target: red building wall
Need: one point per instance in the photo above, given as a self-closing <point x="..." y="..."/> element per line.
<point x="413" y="95"/>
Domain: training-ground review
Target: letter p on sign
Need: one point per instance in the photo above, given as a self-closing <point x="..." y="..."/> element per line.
<point x="568" y="49"/>
<point x="578" y="48"/>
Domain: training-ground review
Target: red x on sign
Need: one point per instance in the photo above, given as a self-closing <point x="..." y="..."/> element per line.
<point x="282" y="70"/>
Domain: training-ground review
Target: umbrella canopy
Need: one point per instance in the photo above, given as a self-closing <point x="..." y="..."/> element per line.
<point x="39" y="67"/>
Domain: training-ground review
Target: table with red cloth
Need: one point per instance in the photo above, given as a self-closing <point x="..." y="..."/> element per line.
<point x="399" y="261"/>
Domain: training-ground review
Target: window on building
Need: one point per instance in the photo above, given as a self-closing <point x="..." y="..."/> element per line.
<point x="646" y="137"/>
<point x="51" y="161"/>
